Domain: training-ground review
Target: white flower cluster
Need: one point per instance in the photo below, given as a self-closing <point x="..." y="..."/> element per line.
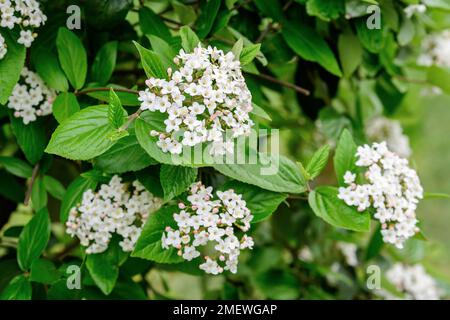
<point x="305" y="254"/>
<point x="113" y="209"/>
<point x="207" y="222"/>
<point x="412" y="9"/>
<point x="349" y="250"/>
<point x="413" y="281"/>
<point x="393" y="190"/>
<point x="24" y="13"/>
<point x="31" y="97"/>
<point x="436" y="50"/>
<point x="384" y="129"/>
<point x="3" y="47"/>
<point x="203" y="99"/>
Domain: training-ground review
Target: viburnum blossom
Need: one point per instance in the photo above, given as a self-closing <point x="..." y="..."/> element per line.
<point x="383" y="129"/>
<point x="212" y="223"/>
<point x="203" y="99"/>
<point x="3" y="47"/>
<point x="393" y="189"/>
<point x="436" y="50"/>
<point x="24" y="13"/>
<point x="413" y="282"/>
<point x="117" y="208"/>
<point x="31" y="97"/>
<point x="349" y="250"/>
<point x="412" y="9"/>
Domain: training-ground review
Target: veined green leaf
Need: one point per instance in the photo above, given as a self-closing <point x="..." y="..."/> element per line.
<point x="33" y="239"/>
<point x="72" y="56"/>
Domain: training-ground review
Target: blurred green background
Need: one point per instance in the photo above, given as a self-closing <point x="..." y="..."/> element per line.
<point x="431" y="145"/>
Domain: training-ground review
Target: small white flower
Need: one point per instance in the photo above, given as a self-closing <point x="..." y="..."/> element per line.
<point x="413" y="282"/>
<point x="436" y="50"/>
<point x="349" y="177"/>
<point x="414" y="8"/>
<point x="26" y="38"/>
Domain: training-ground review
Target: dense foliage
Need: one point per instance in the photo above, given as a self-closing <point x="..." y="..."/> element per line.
<point x="102" y="199"/>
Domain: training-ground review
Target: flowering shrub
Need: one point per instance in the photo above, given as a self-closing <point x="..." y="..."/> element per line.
<point x="31" y="97"/>
<point x="26" y="14"/>
<point x="204" y="221"/>
<point x="263" y="149"/>
<point x="215" y="98"/>
<point x="393" y="190"/>
<point x="112" y="209"/>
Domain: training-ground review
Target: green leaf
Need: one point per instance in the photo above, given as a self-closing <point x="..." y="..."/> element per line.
<point x="185" y="13"/>
<point x="309" y="45"/>
<point x="104" y="63"/>
<point x="278" y="173"/>
<point x="249" y="53"/>
<point x="208" y="14"/>
<point x="375" y="244"/>
<point x="430" y="195"/>
<point x="153" y="121"/>
<point x="74" y="195"/>
<point x="48" y="68"/>
<point x="325" y="9"/>
<point x="104" y="267"/>
<point x="54" y="187"/>
<point x="83" y="136"/>
<point x="72" y="57"/>
<point x="16" y="166"/>
<point x="116" y="113"/>
<point x="38" y="194"/>
<point x="439" y="76"/>
<point x="326" y="205"/>
<point x="189" y="40"/>
<point x="165" y="52"/>
<point x="407" y="32"/>
<point x="175" y="180"/>
<point x="149" y="246"/>
<point x="64" y="106"/>
<point x="151" y="23"/>
<point x="262" y="203"/>
<point x="260" y="112"/>
<point x="345" y="156"/>
<point x="350" y="52"/>
<point x="33" y="239"/>
<point x="318" y="162"/>
<point x="371" y="39"/>
<point x="237" y="48"/>
<point x="18" y="289"/>
<point x="149" y="177"/>
<point x="44" y="271"/>
<point x="10" y="66"/>
<point x="126" y="155"/>
<point x="31" y="138"/>
<point x="151" y="63"/>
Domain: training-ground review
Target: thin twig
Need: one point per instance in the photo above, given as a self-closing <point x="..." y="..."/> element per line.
<point x="30" y="184"/>
<point x="61" y="255"/>
<point x="86" y="91"/>
<point x="131" y="118"/>
<point x="283" y="83"/>
<point x="265" y="32"/>
<point x="416" y="81"/>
